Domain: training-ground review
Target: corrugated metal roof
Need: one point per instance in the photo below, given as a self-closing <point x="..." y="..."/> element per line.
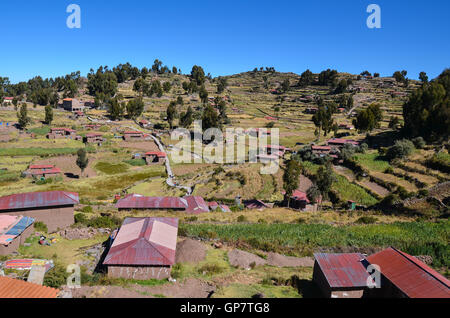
<point x="340" y="141"/>
<point x="41" y="166"/>
<point x="343" y="270"/>
<point x="136" y="201"/>
<point x="14" y="288"/>
<point x="38" y="200"/>
<point x="414" y="278"/>
<point x="195" y="204"/>
<point x="144" y="241"/>
<point x="156" y="153"/>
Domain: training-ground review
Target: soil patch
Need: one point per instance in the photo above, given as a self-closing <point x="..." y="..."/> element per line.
<point x="81" y="233"/>
<point x="148" y="145"/>
<point x="68" y="165"/>
<point x="190" y="251"/>
<point x="275" y="259"/>
<point x="244" y="259"/>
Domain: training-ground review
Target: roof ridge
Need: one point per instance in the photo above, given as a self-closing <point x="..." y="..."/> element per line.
<point x="417" y="265"/>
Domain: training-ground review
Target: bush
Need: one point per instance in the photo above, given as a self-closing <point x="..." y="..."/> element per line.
<point x="210" y="269"/>
<point x="81" y="218"/>
<point x="41" y="227"/>
<point x="418" y="142"/>
<point x="401" y="149"/>
<point x="241" y="218"/>
<point x="56" y="277"/>
<point x="87" y="209"/>
<point x="110" y="222"/>
<point x="367" y="220"/>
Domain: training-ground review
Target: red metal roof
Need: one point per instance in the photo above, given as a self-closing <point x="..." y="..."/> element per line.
<point x="413" y="277"/>
<point x="41" y="166"/>
<point x="321" y="148"/>
<point x="38" y="200"/>
<point x="195" y="204"/>
<point x="343" y="270"/>
<point x="156" y="153"/>
<point x="144" y="241"/>
<point x="15" y="288"/>
<point x="255" y="204"/>
<point x="94" y="135"/>
<point x="190" y="204"/>
<point x="136" y="201"/>
<point x="339" y="141"/>
<point x="53" y="170"/>
<point x="300" y="195"/>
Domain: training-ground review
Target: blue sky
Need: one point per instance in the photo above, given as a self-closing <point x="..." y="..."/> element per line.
<point x="225" y="37"/>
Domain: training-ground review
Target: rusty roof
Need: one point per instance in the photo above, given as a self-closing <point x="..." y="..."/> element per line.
<point x="343" y="270"/>
<point x="144" y="241"/>
<point x="14" y="288"/>
<point x="156" y="153"/>
<point x="41" y="166"/>
<point x="133" y="133"/>
<point x="413" y="277"/>
<point x="195" y="204"/>
<point x="38" y="200"/>
<point x="137" y="201"/>
<point x="340" y="141"/>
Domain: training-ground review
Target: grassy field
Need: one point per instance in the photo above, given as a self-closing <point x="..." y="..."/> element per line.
<point x="350" y="191"/>
<point x="416" y="238"/>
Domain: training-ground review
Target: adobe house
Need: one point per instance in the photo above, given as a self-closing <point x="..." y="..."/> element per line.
<point x="133" y="135"/>
<point x="94" y="138"/>
<point x="340" y="275"/>
<point x="321" y="150"/>
<point x="72" y="105"/>
<point x="58" y="133"/>
<point x="42" y="171"/>
<point x="8" y="100"/>
<point x="155" y="157"/>
<point x="337" y="143"/>
<point x="188" y="204"/>
<point x="145" y="123"/>
<point x="144" y="248"/>
<point x="14" y="230"/>
<point x="54" y="208"/>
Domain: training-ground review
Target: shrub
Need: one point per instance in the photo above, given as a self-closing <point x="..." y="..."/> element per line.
<point x="56" y="277"/>
<point x="401" y="149"/>
<point x="81" y="218"/>
<point x="41" y="227"/>
<point x="241" y="218"/>
<point x="87" y="209"/>
<point x="418" y="142"/>
<point x="210" y="269"/>
<point x="367" y="220"/>
<point x="389" y="170"/>
<point x="105" y="222"/>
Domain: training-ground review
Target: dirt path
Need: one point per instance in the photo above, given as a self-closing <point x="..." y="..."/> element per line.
<point x="372" y="186"/>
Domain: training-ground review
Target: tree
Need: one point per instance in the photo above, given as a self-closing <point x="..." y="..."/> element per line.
<point x="140" y="86"/>
<point x="368" y="119"/>
<point x="324" y="179"/>
<point x="291" y="177"/>
<point x="187" y="118"/>
<point x="135" y="107"/>
<point x="167" y="87"/>
<point x="400" y="77"/>
<point x="116" y="110"/>
<point x="174" y="70"/>
<point x="171" y="113"/>
<point x="323" y="119"/>
<point x="156" y="67"/>
<point x="313" y="194"/>
<point x="22" y="116"/>
<point x="423" y="77"/>
<point x="285" y="85"/>
<point x="102" y="82"/>
<point x="198" y="75"/>
<point x="394" y="122"/>
<point x="48" y="114"/>
<point x="82" y="159"/>
<point x="427" y="111"/>
<point x="307" y="78"/>
<point x="365" y="73"/>
<point x="221" y="85"/>
<point x="376" y="75"/>
<point x="341" y="87"/>
<point x="203" y="94"/>
<point x="327" y="77"/>
<point x="210" y="119"/>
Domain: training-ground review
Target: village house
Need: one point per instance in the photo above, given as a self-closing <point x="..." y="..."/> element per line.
<point x="145" y="123"/>
<point x="89" y="103"/>
<point x="337" y="143"/>
<point x="143" y="249"/>
<point x="133" y="135"/>
<point x="340" y="275"/>
<point x="8" y="100"/>
<point x="94" y="138"/>
<point x="346" y="126"/>
<point x="59" y="133"/>
<point x="42" y="171"/>
<point x="214" y="206"/>
<point x="321" y="150"/>
<point x="72" y="105"/>
<point x="155" y="157"/>
<point x="255" y="205"/>
<point x="405" y="276"/>
<point x="54" y="208"/>
<point x="188" y="204"/>
<point x="14" y="230"/>
<point x="277" y="150"/>
<point x="311" y="110"/>
<point x="92" y="126"/>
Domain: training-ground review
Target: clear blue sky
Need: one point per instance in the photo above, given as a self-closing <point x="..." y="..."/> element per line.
<point x="225" y="37"/>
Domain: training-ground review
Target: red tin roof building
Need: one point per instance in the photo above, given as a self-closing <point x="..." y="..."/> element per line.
<point x="404" y="276"/>
<point x="340" y="275"/>
<point x="15" y="288"/>
<point x="143" y="248"/>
